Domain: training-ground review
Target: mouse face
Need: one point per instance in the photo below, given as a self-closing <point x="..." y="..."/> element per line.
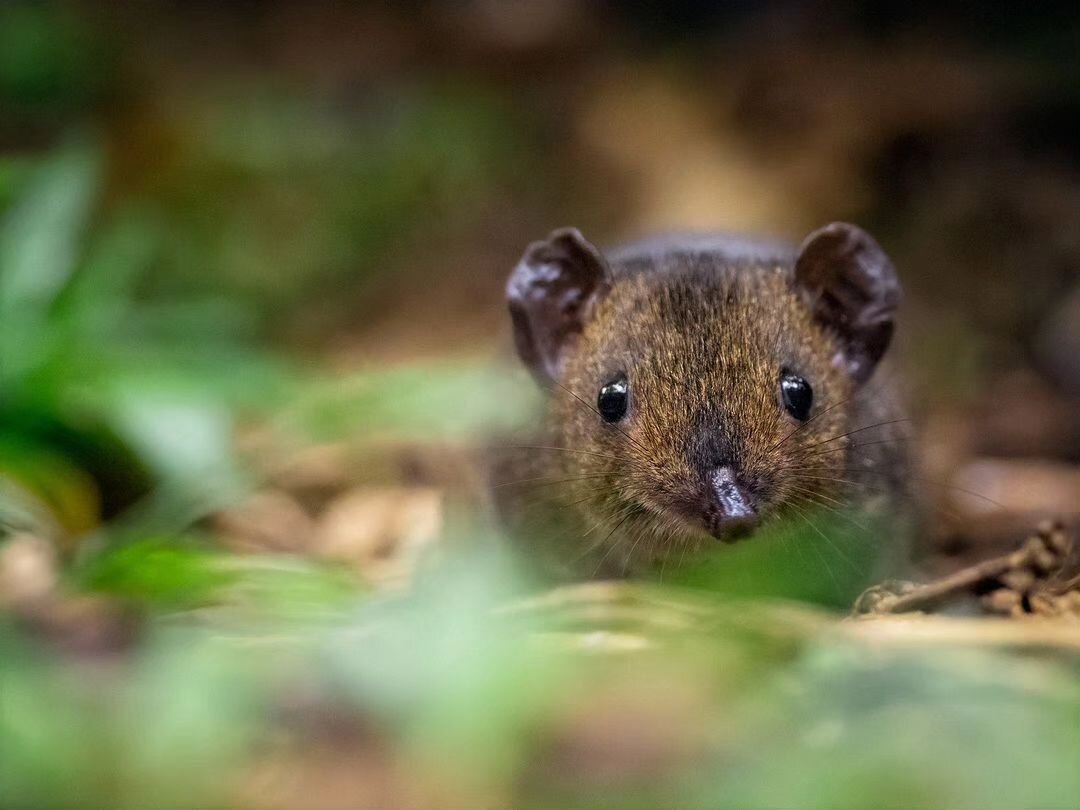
<point x="697" y="381"/>
<point x="694" y="396"/>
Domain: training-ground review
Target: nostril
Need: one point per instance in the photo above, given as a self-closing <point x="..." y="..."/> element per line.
<point x="732" y="501"/>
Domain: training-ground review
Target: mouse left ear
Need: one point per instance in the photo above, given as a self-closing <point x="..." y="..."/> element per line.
<point x="853" y="292"/>
<point x="551" y="294"/>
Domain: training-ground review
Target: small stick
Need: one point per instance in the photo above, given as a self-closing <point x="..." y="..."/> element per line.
<point x="1043" y="552"/>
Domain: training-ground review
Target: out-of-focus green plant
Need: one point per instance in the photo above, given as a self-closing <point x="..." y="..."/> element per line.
<point x="820" y="556"/>
<point x="164" y="575"/>
<point x="50" y="62"/>
<point x="167" y="734"/>
<point x="452" y="401"/>
<point x="285" y="200"/>
<point x="631" y="696"/>
<point x="106" y="396"/>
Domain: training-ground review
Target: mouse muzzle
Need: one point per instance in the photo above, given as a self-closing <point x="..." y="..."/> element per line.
<point x="730" y="512"/>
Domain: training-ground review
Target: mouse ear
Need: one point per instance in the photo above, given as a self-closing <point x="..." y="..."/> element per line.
<point x="551" y="294"/>
<point x="853" y="291"/>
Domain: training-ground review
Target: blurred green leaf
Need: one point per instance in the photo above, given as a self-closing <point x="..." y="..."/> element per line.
<point x="167" y="733"/>
<point x="183" y="572"/>
<point x="14" y="172"/>
<point x="171" y="573"/>
<point x="96" y="379"/>
<point x="535" y="704"/>
<point x="447" y="401"/>
<point x="928" y="728"/>
<point x="280" y="589"/>
<point x="45" y="759"/>
<point x="463" y="683"/>
<point x="181" y="434"/>
<point x="821" y="557"/>
<point x="69" y="493"/>
<point x="39" y="248"/>
<point x="188" y="721"/>
<point x="102" y="294"/>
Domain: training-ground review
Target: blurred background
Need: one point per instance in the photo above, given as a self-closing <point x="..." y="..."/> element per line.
<point x="252" y="336"/>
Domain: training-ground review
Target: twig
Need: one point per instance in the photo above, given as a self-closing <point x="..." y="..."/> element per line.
<point x="1039" y="558"/>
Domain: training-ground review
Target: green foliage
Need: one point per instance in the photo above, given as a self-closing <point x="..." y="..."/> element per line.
<point x="125" y="364"/>
<point x="39" y="243"/>
<point x="165" y="573"/>
<point x="48" y="60"/>
<point x="164" y="736"/>
<point x="465" y="679"/>
<point x="417" y="403"/>
<point x="822" y="556"/>
<point x="285" y="201"/>
<point x="451" y="675"/>
<point x="928" y="728"/>
<point x="105" y="396"/>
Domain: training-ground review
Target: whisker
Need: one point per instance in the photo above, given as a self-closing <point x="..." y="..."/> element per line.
<point x="810" y="498"/>
<point x="810" y="420"/>
<point x="784" y="538"/>
<point x="604" y="520"/>
<point x="806" y="477"/>
<point x="817" y="494"/>
<point x="630" y="553"/>
<point x="915" y="476"/>
<point x="856" y="446"/>
<point x="571" y="450"/>
<point x="557" y="501"/>
<point x="820" y="496"/>
<point x="786" y="533"/>
<point x="614" y="529"/>
<point x="547" y="479"/>
<point x="905" y="492"/>
<point x="817" y="551"/>
<point x="853" y="432"/>
<point x="682" y="553"/>
<point x="618" y="513"/>
<point x="824" y="537"/>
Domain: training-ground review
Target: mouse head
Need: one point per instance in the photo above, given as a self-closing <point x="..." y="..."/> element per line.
<point x="694" y="394"/>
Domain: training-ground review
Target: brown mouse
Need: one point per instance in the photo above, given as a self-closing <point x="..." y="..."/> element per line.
<point x="699" y="387"/>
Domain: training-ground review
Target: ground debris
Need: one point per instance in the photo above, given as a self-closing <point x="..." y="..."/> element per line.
<point x="381" y="532"/>
<point x="1042" y="577"/>
<point x="268" y="521"/>
<point x="28" y="570"/>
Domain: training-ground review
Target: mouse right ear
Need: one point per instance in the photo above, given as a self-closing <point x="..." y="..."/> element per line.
<point x="853" y="291"/>
<point x="551" y="294"/>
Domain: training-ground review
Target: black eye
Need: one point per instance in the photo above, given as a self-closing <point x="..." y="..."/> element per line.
<point x="796" y="394"/>
<point x="613" y="400"/>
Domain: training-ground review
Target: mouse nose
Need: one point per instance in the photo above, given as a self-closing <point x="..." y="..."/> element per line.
<point x="730" y="512"/>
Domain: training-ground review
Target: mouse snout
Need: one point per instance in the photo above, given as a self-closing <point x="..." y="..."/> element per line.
<point x="730" y="510"/>
<point x="714" y="491"/>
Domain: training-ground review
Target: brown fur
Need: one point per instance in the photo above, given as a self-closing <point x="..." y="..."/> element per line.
<point x="702" y="336"/>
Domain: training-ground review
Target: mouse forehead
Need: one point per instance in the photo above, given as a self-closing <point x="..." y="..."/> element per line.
<point x="726" y="322"/>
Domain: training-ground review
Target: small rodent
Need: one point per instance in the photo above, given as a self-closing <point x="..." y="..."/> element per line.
<point x="698" y="386"/>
